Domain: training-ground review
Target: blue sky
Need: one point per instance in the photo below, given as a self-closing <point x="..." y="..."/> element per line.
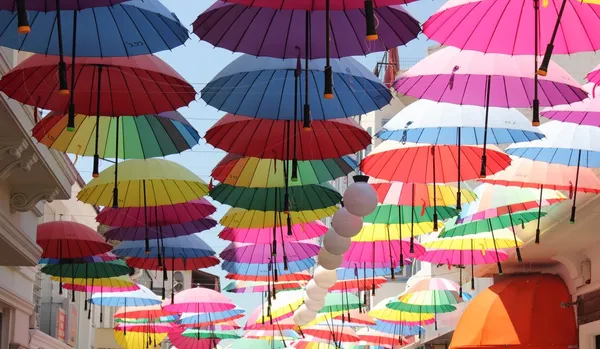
<point x="199" y="62"/>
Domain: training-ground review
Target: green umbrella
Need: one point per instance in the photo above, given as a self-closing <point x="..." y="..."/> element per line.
<point x="388" y="214"/>
<point x="208" y="334"/>
<point x="301" y="198"/>
<point x="454" y="229"/>
<point x="268" y="173"/>
<point x="340" y="301"/>
<point x="95" y="270"/>
<point x="248" y="343"/>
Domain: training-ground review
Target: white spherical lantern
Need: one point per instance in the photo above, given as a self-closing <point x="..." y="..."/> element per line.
<point x="314" y="305"/>
<point x="325" y="278"/>
<point x="313" y="291"/>
<point x="305" y="314"/>
<point x="346" y="224"/>
<point x="360" y="199"/>
<point x="298" y="321"/>
<point x="329" y="261"/>
<point x="336" y="244"/>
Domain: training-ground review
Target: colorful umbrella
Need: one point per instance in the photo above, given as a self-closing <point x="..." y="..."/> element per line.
<point x="113" y="284"/>
<point x="157" y="215"/>
<point x="268" y="270"/>
<point x="418" y="218"/>
<point x="567" y="144"/>
<point x="64" y="239"/>
<point x="105" y="257"/>
<point x="150" y="327"/>
<point x="92" y="270"/>
<point x="254" y="137"/>
<point x="198" y="299"/>
<point x="245" y="343"/>
<point x="152" y="182"/>
<point x="395" y="328"/>
<point x="258" y="287"/>
<point x="143" y="312"/>
<point x="136" y="340"/>
<point x="317" y="5"/>
<point x="138" y="298"/>
<point x="178" y="263"/>
<point x="332" y="334"/>
<point x="308" y="344"/>
<point x="378" y="338"/>
<point x="198" y="319"/>
<point x="301" y="198"/>
<point x="256" y="254"/>
<point x="181" y="342"/>
<point x="274" y="32"/>
<point x="49" y="5"/>
<point x="252" y="172"/>
<point x="489" y="80"/>
<point x="187" y="246"/>
<point x="586" y="112"/>
<point x="594" y="75"/>
<point x="273" y="334"/>
<point x="148" y="136"/>
<point x="493" y="239"/>
<point x="253" y="322"/>
<point x="299" y="232"/>
<point x="205" y="334"/>
<point x="240" y="87"/>
<point x="401" y="194"/>
<point x="381" y="312"/>
<point x="165" y="231"/>
<point x="240" y="218"/>
<point x="300" y="276"/>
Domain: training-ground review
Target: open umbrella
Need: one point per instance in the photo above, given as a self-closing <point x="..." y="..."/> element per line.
<point x="586" y="112"/>
<point x="165" y="231"/>
<point x="300" y="276"/>
<point x="156" y="215"/>
<point x="396" y="328"/>
<point x="201" y="318"/>
<point x="567" y="144"/>
<point x="105" y="257"/>
<point x="181" y="342"/>
<point x="198" y="299"/>
<point x="259" y="253"/>
<point x="381" y="312"/>
<point x="425" y="195"/>
<point x="206" y="334"/>
<point x="240" y="218"/>
<point x="113" y="284"/>
<point x="332" y="334"/>
<point x="265" y="139"/>
<point x="137" y="298"/>
<point x="280" y="33"/>
<point x="349" y="279"/>
<point x="594" y="75"/>
<point x="254" y="172"/>
<point x="136" y="340"/>
<point x="271" y="272"/>
<point x="143" y="312"/>
<point x="299" y="232"/>
<point x="374" y="337"/>
<point x="258" y="287"/>
<point x="240" y="87"/>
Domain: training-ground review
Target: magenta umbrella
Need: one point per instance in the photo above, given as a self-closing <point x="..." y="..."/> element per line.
<point x="488" y="80"/>
<point x="586" y="112"/>
<point x="299" y="232"/>
<point x="198" y="300"/>
<point x="165" y="231"/>
<point x="594" y="75"/>
<point x="379" y="252"/>
<point x="316" y="5"/>
<point x="180" y="341"/>
<point x="261" y="253"/>
<point x="168" y="214"/>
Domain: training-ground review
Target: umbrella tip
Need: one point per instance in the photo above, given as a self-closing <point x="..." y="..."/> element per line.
<point x="24" y="29"/>
<point x="535" y="123"/>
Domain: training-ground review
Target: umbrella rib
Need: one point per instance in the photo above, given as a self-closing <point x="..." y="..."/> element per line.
<point x="258" y="10"/>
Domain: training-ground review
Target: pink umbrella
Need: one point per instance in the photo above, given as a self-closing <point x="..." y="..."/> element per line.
<point x="462" y="257"/>
<point x="198" y="299"/>
<point x="586" y="112"/>
<point x="182" y="342"/>
<point x="594" y="75"/>
<point x="512" y="26"/>
<point x="378" y="252"/>
<point x="261" y="253"/>
<point x="302" y="231"/>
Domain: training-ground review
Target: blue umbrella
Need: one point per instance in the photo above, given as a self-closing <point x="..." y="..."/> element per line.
<point x="566" y="144"/>
<point x="397" y="329"/>
<point x="197" y="318"/>
<point x="266" y="87"/>
<point x="138" y="298"/>
<point x="136" y="27"/>
<point x="186" y="246"/>
<point x="264" y="270"/>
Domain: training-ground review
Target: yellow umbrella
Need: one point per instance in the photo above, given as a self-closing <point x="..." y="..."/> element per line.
<point x="382" y="312"/>
<point x="152" y="182"/>
<point x="240" y="218"/>
<point x="498" y="239"/>
<point x="138" y="340"/>
<point x="285" y="303"/>
<point x="114" y="282"/>
<point x="384" y="232"/>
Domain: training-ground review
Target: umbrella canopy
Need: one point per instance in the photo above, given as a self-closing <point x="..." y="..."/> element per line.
<point x="461" y="77"/>
<point x="253" y="322"/>
<point x="426" y="121"/>
<point x="156" y="215"/>
<point x="393" y="231"/>
<point x="395" y="328"/>
<point x="300" y="276"/>
<point x="245" y="343"/>
<point x="49" y="5"/>
<point x="240" y="87"/>
<point x="143" y="312"/>
<point x="113" y="284"/>
<point x="460" y="253"/>
<point x="136" y="340"/>
<point x="198" y="319"/>
<point x="266" y="268"/>
<point x="87" y="270"/>
<point x="133" y="86"/>
<point x="198" y="299"/>
<point x="299" y="232"/>
<point x="525" y="173"/>
<point x="181" y="342"/>
<point x="335" y="334"/>
<point x="280" y="33"/>
<point x="308" y="344"/>
<point x="165" y="231"/>
<point x="316" y="5"/>
<point x="378" y="338"/>
<point x="186" y="246"/>
<point x="65" y="239"/>
<point x="162" y="181"/>
<point x="173" y="263"/>
<point x="586" y="112"/>
<point x="250" y="172"/>
<point x="286" y="303"/>
<point x="148" y="136"/>
<point x="357" y="285"/>
<point x="240" y="218"/>
<point x="421" y="216"/>
<point x="257" y="254"/>
<point x="498" y="239"/>
<point x="397" y="193"/>
<point x="474" y="226"/>
<point x="105" y="257"/>
<point x="254" y="137"/>
<point x="414" y="163"/>
<point x="594" y="75"/>
<point x="203" y="334"/>
<point x="138" y="298"/>
<point x="273" y="334"/>
<point x="381" y="252"/>
<point x="490" y="26"/>
<point x="131" y="28"/>
<point x="258" y="287"/>
<point x="565" y="143"/>
<point x="301" y="198"/>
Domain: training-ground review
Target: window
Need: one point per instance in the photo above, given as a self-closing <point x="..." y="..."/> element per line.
<point x="597" y="342"/>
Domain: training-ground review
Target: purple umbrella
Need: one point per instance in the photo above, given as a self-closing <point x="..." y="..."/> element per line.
<point x="278" y="33"/>
<point x="586" y="112"/>
<point x="165" y="231"/>
<point x="262" y="253"/>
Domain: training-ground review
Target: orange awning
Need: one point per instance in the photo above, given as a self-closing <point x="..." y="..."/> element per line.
<point x="521" y="312"/>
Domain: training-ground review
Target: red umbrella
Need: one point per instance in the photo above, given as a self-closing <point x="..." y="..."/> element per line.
<point x="182" y="342"/>
<point x="126" y="85"/>
<point x="167" y="215"/>
<point x="268" y="139"/>
<point x="69" y="240"/>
